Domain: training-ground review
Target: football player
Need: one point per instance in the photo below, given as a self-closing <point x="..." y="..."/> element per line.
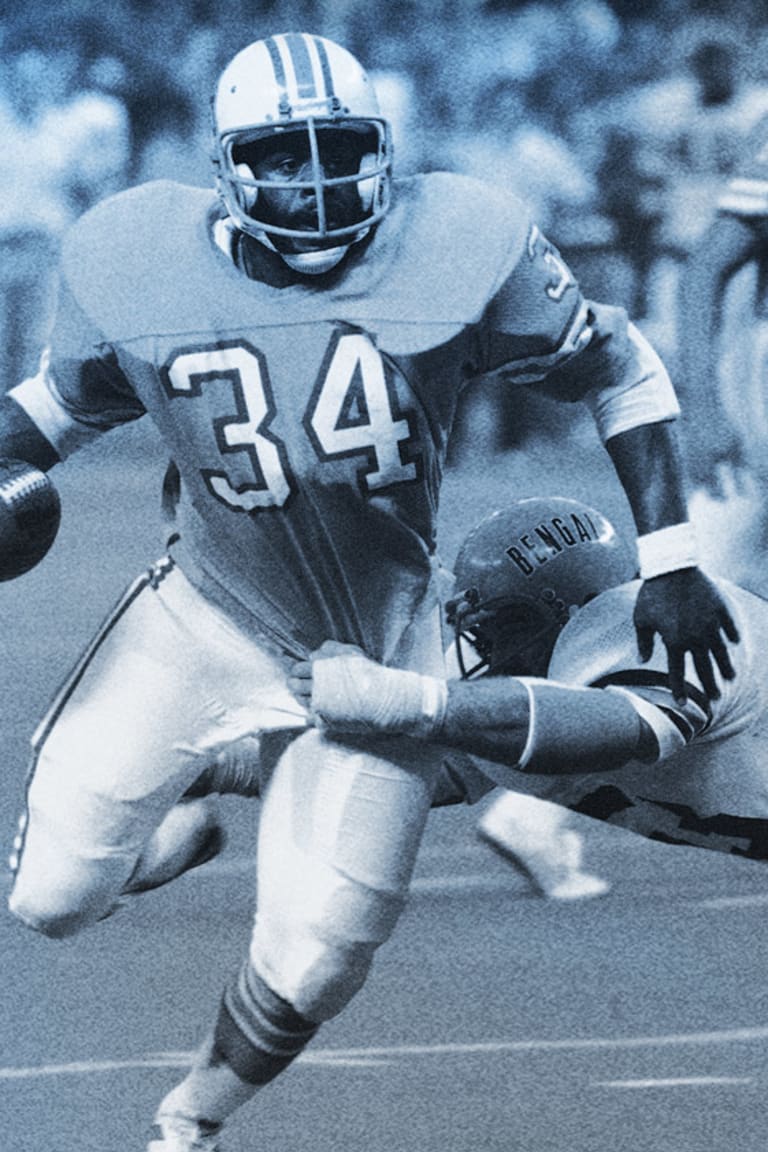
<point x="553" y="698"/>
<point x="301" y="341"/>
<point x="723" y="340"/>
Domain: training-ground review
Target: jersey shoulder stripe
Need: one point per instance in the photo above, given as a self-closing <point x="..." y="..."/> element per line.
<point x="691" y="719"/>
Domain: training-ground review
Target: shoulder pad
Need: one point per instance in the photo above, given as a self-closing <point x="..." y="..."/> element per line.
<point x="442" y="253"/>
<point x="599" y="648"/>
<point x="115" y="250"/>
<point x="599" y="639"/>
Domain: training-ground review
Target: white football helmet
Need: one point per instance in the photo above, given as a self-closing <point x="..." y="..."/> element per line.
<point x="296" y="82"/>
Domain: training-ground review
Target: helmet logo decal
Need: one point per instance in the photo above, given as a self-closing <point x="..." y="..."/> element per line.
<point x="556" y="535"/>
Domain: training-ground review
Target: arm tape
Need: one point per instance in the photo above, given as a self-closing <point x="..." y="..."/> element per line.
<point x="20" y="437"/>
<point x="648" y="399"/>
<point x="39" y="397"/>
<point x="352" y="693"/>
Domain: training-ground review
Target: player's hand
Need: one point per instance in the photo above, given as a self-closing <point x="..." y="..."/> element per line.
<point x="346" y="691"/>
<point x="688" y="612"/>
<point x="300" y="678"/>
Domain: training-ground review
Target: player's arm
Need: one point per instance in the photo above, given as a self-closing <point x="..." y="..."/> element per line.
<point x="21" y="438"/>
<point x="78" y="392"/>
<point x="541" y="726"/>
<point x="592" y="352"/>
<point x="526" y="724"/>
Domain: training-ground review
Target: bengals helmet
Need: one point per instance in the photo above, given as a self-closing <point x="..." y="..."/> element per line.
<point x="522" y="571"/>
<point x="299" y="83"/>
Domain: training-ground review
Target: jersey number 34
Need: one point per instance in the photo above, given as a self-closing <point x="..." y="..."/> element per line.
<point x="352" y="412"/>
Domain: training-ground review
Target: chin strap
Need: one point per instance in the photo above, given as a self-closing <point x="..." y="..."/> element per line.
<point x="310" y="263"/>
<point x="313" y="263"/>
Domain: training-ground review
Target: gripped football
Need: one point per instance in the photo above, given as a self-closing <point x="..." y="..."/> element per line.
<point x="30" y="513"/>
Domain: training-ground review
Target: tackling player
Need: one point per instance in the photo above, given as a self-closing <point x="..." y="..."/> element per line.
<point x="301" y="342"/>
<point x="554" y="698"/>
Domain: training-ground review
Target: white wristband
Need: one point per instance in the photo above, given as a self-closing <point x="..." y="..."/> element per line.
<point x="667" y="550"/>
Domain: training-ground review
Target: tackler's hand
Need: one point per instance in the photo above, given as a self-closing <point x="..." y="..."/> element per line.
<point x="301" y="676"/>
<point x="349" y="692"/>
<point x="689" y="614"/>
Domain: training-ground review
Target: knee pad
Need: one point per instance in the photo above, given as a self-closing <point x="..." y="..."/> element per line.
<point x="62" y="911"/>
<point x="58" y="893"/>
<point x="319" y="962"/>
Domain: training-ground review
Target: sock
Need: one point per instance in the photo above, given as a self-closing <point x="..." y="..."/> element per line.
<point x="256" y="1036"/>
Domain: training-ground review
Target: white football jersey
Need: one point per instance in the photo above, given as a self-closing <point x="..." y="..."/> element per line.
<point x="712" y="791"/>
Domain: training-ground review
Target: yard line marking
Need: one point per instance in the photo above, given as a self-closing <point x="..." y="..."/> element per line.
<point x="468" y="881"/>
<point x="490" y="1047"/>
<point x="335" y="1057"/>
<point x="754" y="900"/>
<point x="674" y="1082"/>
<point x="87" y="1066"/>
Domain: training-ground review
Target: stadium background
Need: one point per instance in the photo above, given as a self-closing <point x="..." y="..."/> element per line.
<point x="617" y="123"/>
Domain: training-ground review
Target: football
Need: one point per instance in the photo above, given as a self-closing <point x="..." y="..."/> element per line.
<point x="30" y="513"/>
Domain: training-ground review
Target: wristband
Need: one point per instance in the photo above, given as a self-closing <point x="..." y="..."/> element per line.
<point x="667" y="550"/>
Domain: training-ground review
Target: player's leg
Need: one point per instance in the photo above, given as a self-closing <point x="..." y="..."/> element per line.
<point x="537" y="836"/>
<point x="165" y="685"/>
<point x="534" y="835"/>
<point x="192" y="832"/>
<point x="339" y="831"/>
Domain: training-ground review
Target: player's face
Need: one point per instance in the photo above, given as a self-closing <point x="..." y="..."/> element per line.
<point x="287" y="161"/>
<point x="514" y="640"/>
<point x="519" y="643"/>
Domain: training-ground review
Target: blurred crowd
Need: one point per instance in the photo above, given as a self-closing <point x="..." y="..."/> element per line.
<point x="616" y="122"/>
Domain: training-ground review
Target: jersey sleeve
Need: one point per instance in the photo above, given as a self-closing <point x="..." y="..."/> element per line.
<point x="537" y="319"/>
<point x="86" y="368"/>
<point x="540" y="330"/>
<point x="80" y="389"/>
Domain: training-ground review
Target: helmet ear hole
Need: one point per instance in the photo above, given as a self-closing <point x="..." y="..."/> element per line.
<point x="248" y="194"/>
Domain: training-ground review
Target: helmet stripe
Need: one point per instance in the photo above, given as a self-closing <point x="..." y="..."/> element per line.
<point x="325" y="66"/>
<point x="277" y="64"/>
<point x="299" y="62"/>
